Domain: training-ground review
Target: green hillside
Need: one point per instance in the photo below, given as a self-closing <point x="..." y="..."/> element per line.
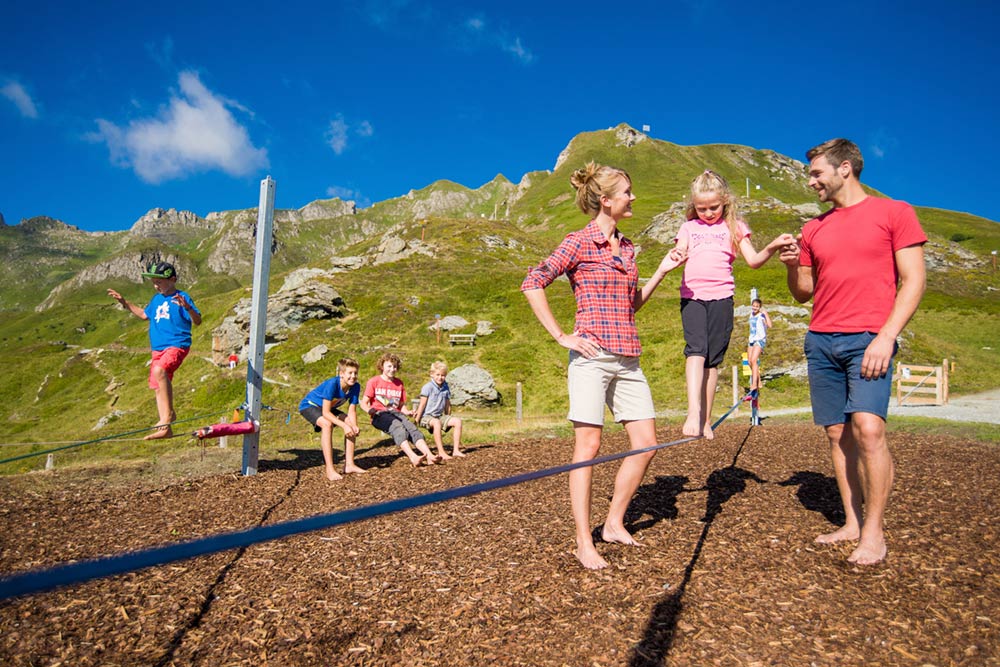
<point x="83" y="358"/>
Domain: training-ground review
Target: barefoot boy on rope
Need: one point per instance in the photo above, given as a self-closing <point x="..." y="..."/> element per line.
<point x="170" y="314"/>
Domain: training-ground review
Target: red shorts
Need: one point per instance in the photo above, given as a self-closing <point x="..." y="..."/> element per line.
<point x="169" y="360"/>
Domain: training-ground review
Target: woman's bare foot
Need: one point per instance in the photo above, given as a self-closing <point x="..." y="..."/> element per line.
<point x="333" y="475"/>
<point x="867" y="554"/>
<point x="444" y="456"/>
<point x="349" y="470"/>
<point x="416" y="460"/>
<point x="841" y="535"/>
<point x="707" y="432"/>
<point x="161" y="431"/>
<point x="618" y="536"/>
<point x="691" y="426"/>
<point x="457" y="454"/>
<point x="589" y="558"/>
<point x="433" y="460"/>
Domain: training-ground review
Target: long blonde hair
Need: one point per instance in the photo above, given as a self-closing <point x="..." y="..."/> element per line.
<point x="709" y="182"/>
<point x="594" y="181"/>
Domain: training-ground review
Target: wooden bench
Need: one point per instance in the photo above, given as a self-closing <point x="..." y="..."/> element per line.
<point x="461" y="339"/>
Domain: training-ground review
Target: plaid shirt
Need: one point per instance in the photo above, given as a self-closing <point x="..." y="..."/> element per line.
<point x="604" y="287"/>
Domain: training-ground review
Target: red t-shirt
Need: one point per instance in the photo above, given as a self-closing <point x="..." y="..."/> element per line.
<point x="852" y="252"/>
<point x="385" y="394"/>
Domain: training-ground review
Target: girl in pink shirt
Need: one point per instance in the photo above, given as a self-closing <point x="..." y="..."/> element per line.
<point x="710" y="238"/>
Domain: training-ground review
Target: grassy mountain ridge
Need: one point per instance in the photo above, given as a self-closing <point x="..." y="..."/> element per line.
<point x="83" y="358"/>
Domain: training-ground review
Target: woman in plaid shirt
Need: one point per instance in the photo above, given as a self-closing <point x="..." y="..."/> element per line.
<point x="604" y="346"/>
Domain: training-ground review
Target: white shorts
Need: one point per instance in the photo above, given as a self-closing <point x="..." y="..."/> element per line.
<point x="607" y="379"/>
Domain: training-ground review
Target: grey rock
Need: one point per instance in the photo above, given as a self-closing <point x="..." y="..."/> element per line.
<point x="315" y="354"/>
<point x="473" y="386"/>
<point x="286" y="311"/>
<point x="449" y="323"/>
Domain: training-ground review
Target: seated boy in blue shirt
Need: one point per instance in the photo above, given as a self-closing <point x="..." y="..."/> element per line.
<point x="320" y="408"/>
<point x="170" y="313"/>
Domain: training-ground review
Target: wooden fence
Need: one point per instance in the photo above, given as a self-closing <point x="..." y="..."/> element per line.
<point x="922" y="385"/>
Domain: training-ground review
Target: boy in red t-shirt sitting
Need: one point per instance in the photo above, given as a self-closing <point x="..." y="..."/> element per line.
<point x="384" y="399"/>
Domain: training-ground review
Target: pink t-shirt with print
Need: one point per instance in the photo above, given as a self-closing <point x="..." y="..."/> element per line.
<point x="708" y="273"/>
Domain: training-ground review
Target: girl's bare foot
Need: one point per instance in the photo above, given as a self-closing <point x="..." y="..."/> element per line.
<point x="691" y="426"/>
<point x="333" y="475"/>
<point x="708" y="433"/>
<point x="161" y="431"/>
<point x="416" y="460"/>
<point x="589" y="558"/>
<point x="458" y="454"/>
<point x="841" y="535"/>
<point x="433" y="460"/>
<point x="444" y="456"/>
<point x="618" y="536"/>
<point x="348" y="470"/>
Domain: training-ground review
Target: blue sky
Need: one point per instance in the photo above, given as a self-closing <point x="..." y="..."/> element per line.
<point x="110" y="109"/>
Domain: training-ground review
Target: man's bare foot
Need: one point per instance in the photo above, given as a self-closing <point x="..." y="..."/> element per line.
<point x="869" y="554"/>
<point x="455" y="453"/>
<point x="708" y="432"/>
<point x="161" y="431"/>
<point x="348" y="470"/>
<point x="691" y="427"/>
<point x="841" y="535"/>
<point x="333" y="475"/>
<point x="433" y="460"/>
<point x="618" y="536"/>
<point x="416" y="460"/>
<point x="589" y="558"/>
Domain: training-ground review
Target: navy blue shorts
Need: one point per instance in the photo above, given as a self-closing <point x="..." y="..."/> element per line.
<point x="708" y="326"/>
<point x="835" y="383"/>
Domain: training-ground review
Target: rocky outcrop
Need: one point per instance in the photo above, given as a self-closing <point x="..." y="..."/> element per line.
<point x="122" y="268"/>
<point x="628" y="136"/>
<point x="170" y="225"/>
<point x="393" y="248"/>
<point x="287" y="310"/>
<point x="233" y="251"/>
<point x="473" y="386"/>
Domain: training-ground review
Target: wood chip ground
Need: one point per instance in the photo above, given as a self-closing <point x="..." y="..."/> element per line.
<point x="727" y="573"/>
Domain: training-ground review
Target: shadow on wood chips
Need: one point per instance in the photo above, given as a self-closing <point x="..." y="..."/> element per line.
<point x="727" y="572"/>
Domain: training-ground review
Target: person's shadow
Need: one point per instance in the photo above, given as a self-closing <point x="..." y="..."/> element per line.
<point x="818" y="493"/>
<point x="658" y="638"/>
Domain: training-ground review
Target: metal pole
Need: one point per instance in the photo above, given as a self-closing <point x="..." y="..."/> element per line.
<point x="258" y="321"/>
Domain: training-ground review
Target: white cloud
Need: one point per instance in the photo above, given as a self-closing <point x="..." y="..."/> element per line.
<point x="881" y="142"/>
<point x="519" y="51"/>
<point x="16" y="93"/>
<point x="195" y="132"/>
<point x="475" y="23"/>
<point x="339" y="131"/>
<point x="336" y="135"/>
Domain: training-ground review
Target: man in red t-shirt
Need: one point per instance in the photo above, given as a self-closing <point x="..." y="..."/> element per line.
<point x="849" y="261"/>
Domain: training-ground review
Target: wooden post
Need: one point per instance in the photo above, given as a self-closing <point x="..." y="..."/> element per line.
<point x="520" y="413"/>
<point x="944" y="382"/>
<point x="736" y="387"/>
